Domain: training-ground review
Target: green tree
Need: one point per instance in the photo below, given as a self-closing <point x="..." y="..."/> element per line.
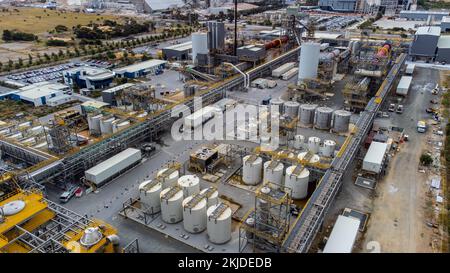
<point x="426" y="159"/>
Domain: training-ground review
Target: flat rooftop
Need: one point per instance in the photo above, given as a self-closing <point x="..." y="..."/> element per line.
<point x="180" y="47"/>
<point x="141" y="66"/>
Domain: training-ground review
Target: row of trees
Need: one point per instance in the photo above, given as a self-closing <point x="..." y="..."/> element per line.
<point x="103" y="50"/>
<point x="11" y="35"/>
<point x="95" y="31"/>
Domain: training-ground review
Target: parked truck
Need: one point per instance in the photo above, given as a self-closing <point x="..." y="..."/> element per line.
<point x="404" y="85"/>
<point x="421" y="126"/>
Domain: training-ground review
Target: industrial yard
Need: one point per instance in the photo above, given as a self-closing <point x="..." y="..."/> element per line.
<point x="311" y="134"/>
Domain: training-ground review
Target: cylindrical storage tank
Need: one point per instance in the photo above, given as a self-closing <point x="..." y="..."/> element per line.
<point x="314" y="144"/>
<point x="251" y="169"/>
<point x="297" y="179"/>
<point x="219" y="223"/>
<point x="277" y="102"/>
<point x="299" y="141"/>
<point x="94" y="124"/>
<point x="307" y="113"/>
<point x="314" y="158"/>
<point x="323" y="116"/>
<point x="341" y="121"/>
<point x="190" y="184"/>
<point x="211" y="195"/>
<point x="273" y="172"/>
<point x="328" y="148"/>
<point x="194" y="213"/>
<point x="149" y="193"/>
<point x="199" y="45"/>
<point x="171" y="205"/>
<point x="106" y="125"/>
<point x="309" y="61"/>
<point x="251" y="223"/>
<point x="291" y="109"/>
<point x="168" y="177"/>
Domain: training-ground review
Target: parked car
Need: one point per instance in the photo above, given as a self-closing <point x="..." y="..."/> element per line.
<point x="399" y="109"/>
<point x="391" y="107"/>
<point x="65" y="196"/>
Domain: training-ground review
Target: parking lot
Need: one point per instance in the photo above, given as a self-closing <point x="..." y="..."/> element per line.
<point x="53" y="73"/>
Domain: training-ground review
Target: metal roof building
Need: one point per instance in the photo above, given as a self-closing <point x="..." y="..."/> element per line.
<point x="89" y="77"/>
<point x="37" y="94"/>
<point x="445" y="24"/>
<point x="443" y="49"/>
<point x="178" y="51"/>
<point x="343" y="235"/>
<point x="161" y="5"/>
<point x="422" y="14"/>
<point x="141" y="69"/>
<point x="109" y="95"/>
<point x="425" y="42"/>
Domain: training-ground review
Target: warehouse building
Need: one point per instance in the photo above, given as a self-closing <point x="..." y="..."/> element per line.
<point x="89" y="77"/>
<point x="425" y="43"/>
<point x="338" y="5"/>
<point x="251" y="53"/>
<point x="443" y="50"/>
<point x="445" y="24"/>
<point x="38" y="94"/>
<point x="152" y="67"/>
<point x="158" y="6"/>
<point x="110" y="95"/>
<point x="58" y="100"/>
<point x="423" y="15"/>
<point x="177" y="52"/>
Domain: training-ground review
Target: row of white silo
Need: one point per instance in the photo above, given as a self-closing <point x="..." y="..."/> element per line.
<point x="324" y="118"/>
<point x="103" y="125"/>
<point x="314" y="146"/>
<point x="180" y="199"/>
<point x="273" y="171"/>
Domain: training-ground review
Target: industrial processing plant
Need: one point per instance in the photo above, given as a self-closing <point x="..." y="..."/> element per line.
<point x="267" y="128"/>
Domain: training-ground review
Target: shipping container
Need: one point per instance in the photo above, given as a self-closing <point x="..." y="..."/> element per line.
<point x="113" y="167"/>
<point x="410" y="69"/>
<point x="374" y="159"/>
<point x="291" y="73"/>
<point x="282" y="69"/>
<point x="404" y="85"/>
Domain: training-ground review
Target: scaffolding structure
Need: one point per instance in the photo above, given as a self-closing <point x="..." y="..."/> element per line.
<point x="356" y="94"/>
<point x="266" y="226"/>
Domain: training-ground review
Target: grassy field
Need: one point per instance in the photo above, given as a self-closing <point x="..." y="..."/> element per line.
<point x="40" y="21"/>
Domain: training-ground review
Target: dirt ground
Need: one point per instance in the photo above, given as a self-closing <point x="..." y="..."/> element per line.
<point x="403" y="207"/>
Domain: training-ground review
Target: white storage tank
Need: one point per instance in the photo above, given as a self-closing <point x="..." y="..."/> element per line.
<point x="291" y="109"/>
<point x="94" y="124"/>
<point x="106" y="125"/>
<point x="309" y="61"/>
<point x="297" y="179"/>
<point x="328" y="148"/>
<point x="252" y="169"/>
<point x="190" y="184"/>
<point x="277" y="102"/>
<point x="199" y="44"/>
<point x="194" y="213"/>
<point x="168" y="177"/>
<point x="149" y="193"/>
<point x="313" y="158"/>
<point x="322" y="119"/>
<point x="299" y="141"/>
<point x="307" y="113"/>
<point x="211" y="195"/>
<point x="219" y="223"/>
<point x="273" y="172"/>
<point x="171" y="205"/>
<point x="313" y="144"/>
<point x="341" y="121"/>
